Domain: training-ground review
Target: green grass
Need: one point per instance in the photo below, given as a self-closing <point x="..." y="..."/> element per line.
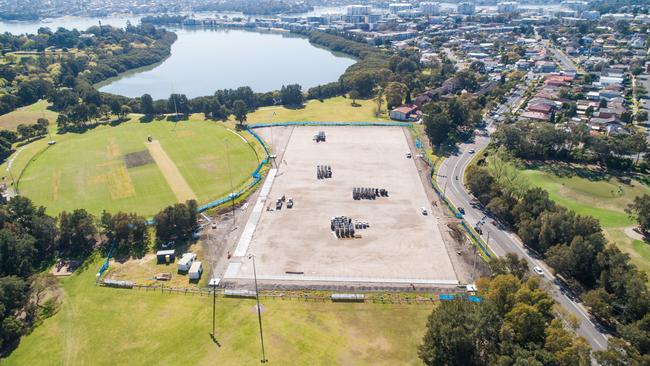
<point x="102" y="326"/>
<point x="27" y="115"/>
<point x="336" y="109"/>
<point x="604" y="199"/>
<point x="88" y="170"/>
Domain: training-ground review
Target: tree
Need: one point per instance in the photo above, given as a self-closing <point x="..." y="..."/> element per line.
<point x="458" y="333"/>
<point x="291" y="95"/>
<point x="146" y="104"/>
<point x="639" y="209"/>
<point x="619" y="353"/>
<point x="510" y="264"/>
<point x="128" y="232"/>
<point x="379" y="101"/>
<point x="77" y="232"/>
<point x="239" y="109"/>
<point x="177" y="221"/>
<point x="354" y="95"/>
<point x="394" y="93"/>
<point x="524" y="324"/>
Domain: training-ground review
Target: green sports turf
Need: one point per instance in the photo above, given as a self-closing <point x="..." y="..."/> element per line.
<point x="605" y="200"/>
<point x="89" y="171"/>
<point x="601" y="199"/>
<point x="102" y="326"/>
<point x="337" y="109"/>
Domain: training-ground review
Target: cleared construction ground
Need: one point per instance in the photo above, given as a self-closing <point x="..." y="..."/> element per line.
<point x="401" y="244"/>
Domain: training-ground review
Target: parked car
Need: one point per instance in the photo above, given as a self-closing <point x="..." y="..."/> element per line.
<point x="461" y="210"/>
<point x="408" y="155"/>
<point x="538" y="270"/>
<point x="424" y="211"/>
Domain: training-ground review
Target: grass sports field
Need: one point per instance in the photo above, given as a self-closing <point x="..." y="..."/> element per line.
<point x="27" y="115"/>
<point x="102" y="326"/>
<point x="337" y="109"/>
<point x="115" y="168"/>
<point x="606" y="200"/>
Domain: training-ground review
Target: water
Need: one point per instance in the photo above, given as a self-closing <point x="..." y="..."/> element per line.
<point x="203" y="61"/>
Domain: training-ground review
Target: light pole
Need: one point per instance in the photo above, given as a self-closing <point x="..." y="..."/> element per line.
<point x="214" y="282"/>
<point x="259" y="311"/>
<point x="232" y="193"/>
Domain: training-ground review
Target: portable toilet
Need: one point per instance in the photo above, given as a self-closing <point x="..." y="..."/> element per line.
<point x="185" y="262"/>
<point x="195" y="270"/>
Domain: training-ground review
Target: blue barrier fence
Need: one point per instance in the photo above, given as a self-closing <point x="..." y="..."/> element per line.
<point x="450" y="297"/>
<point x="105" y="265"/>
<point x="331" y="124"/>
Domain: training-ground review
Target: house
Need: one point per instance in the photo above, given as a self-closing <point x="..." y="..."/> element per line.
<point x="536" y="116"/>
<point x="544" y="66"/>
<point x="404" y="113"/>
<point x="541" y="108"/>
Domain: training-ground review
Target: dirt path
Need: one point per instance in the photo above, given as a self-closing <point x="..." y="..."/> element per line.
<point x="171" y="173"/>
<point x="633" y="234"/>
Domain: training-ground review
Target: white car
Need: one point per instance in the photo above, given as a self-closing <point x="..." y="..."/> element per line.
<point x="538" y="270"/>
<point x="408" y="155"/>
<point x="424" y="211"/>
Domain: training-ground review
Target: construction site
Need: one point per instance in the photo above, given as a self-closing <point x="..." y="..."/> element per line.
<point x="365" y="217"/>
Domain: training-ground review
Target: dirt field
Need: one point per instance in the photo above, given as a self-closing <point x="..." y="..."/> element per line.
<point x="171" y="173"/>
<point x="401" y="245"/>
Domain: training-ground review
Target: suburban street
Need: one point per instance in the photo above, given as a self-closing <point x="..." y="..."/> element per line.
<point x="450" y="176"/>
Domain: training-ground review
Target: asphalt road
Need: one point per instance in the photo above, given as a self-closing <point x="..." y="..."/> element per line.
<point x="450" y="178"/>
<point x="565" y="61"/>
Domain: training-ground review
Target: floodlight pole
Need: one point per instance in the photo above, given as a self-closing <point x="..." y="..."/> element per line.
<point x="214" y="305"/>
<point x="232" y="193"/>
<point x="259" y="311"/>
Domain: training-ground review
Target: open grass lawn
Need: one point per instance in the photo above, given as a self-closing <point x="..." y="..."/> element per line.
<point x="27" y="115"/>
<point x="110" y="167"/>
<point x="102" y="326"/>
<point x="605" y="199"/>
<point x="336" y="109"/>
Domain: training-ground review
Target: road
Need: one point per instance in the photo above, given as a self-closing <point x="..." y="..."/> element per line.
<point x="565" y="61"/>
<point x="450" y="176"/>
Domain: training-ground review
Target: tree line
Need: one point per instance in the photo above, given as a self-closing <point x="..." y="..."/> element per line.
<point x="102" y="52"/>
<point x="574" y="246"/>
<point x="32" y="241"/>
<point x="513" y="324"/>
<point x="575" y="143"/>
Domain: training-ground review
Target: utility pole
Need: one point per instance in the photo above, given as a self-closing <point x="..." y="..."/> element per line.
<point x="232" y="193"/>
<point x="259" y="310"/>
<point x="214" y="282"/>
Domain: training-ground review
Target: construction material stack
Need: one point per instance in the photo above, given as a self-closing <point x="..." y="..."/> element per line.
<point x="362" y="193"/>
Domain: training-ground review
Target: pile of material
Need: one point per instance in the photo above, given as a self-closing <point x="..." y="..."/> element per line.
<point x="344" y="227"/>
<point x="368" y="193"/>
<point x="323" y="171"/>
